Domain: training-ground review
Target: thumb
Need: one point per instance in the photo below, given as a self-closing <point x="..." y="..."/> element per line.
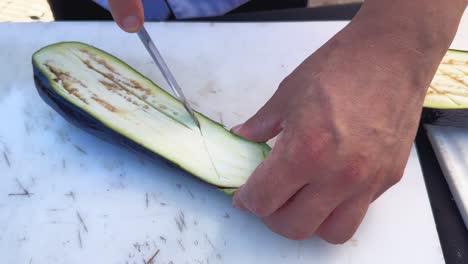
<point x="127" y="13"/>
<point x="264" y="125"/>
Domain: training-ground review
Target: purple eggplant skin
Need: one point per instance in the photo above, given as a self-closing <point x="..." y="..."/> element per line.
<point x="445" y="117"/>
<point x="90" y="124"/>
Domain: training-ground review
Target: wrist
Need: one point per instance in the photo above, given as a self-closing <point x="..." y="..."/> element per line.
<point x="403" y="37"/>
<point x="425" y="26"/>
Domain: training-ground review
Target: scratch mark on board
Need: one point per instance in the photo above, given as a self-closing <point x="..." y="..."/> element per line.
<point x="179" y="225"/>
<point x="50" y="115"/>
<point x="182" y="218"/>
<point x="25" y="191"/>
<point x="7" y="160"/>
<point x="209" y="241"/>
<point x="80" y="242"/>
<point x="80" y="149"/>
<point x="55" y="210"/>
<point x="180" y="221"/>
<point x="19" y="194"/>
<point x="190" y="193"/>
<point x="63" y="136"/>
<point x="137" y="246"/>
<point x="71" y="195"/>
<point x="180" y="244"/>
<point x="151" y="260"/>
<point x="147" y="200"/>
<point x="81" y="221"/>
<point x="27" y="128"/>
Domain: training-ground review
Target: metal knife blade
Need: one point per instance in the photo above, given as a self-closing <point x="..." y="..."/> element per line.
<point x="158" y="59"/>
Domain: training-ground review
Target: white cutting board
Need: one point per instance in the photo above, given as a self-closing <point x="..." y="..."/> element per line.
<point x="130" y="207"/>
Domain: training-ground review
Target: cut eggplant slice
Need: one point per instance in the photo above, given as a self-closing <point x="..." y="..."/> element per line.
<point x="446" y="101"/>
<point x="106" y="97"/>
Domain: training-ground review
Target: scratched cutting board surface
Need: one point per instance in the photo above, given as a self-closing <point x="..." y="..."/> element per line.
<point x="91" y="202"/>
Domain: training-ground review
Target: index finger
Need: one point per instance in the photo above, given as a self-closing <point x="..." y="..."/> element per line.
<point x="128" y="14"/>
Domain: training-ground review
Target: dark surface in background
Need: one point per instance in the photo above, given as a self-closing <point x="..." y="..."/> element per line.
<point x="88" y="10"/>
<point x="452" y="232"/>
<point x="255" y="10"/>
<point x="445" y="117"/>
<point x="265" y="5"/>
<point x="326" y="13"/>
<point x="78" y="10"/>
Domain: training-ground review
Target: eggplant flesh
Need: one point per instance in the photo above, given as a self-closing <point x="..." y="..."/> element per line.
<point x="102" y="95"/>
<point x="446" y="101"/>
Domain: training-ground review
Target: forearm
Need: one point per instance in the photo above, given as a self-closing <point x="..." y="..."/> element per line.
<point x="427" y="25"/>
<point x="409" y="37"/>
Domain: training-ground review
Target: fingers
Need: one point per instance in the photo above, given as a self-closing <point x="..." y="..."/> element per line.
<point x="316" y="212"/>
<point x="266" y="123"/>
<point x="303" y="214"/>
<point x="291" y="165"/>
<point x="343" y="222"/>
<point x="128" y="14"/>
<point x="271" y="184"/>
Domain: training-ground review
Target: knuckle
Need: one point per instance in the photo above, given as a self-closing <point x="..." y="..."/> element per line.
<point x="261" y="211"/>
<point x="258" y="207"/>
<point x="292" y="230"/>
<point x="355" y="171"/>
<point x="315" y="145"/>
<point x="320" y="145"/>
<point x="395" y="178"/>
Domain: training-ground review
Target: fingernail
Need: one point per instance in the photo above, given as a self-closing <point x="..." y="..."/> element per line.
<point x="131" y="23"/>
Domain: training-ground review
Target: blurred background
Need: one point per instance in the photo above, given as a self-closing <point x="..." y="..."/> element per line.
<point x="50" y="10"/>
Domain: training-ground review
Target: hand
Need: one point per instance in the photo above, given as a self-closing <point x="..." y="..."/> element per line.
<point x="128" y="14"/>
<point x="345" y="119"/>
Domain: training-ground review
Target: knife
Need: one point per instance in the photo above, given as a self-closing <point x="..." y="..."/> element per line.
<point x="158" y="59"/>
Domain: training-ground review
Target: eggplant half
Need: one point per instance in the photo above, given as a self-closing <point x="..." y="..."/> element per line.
<point x="104" y="96"/>
<point x="446" y="102"/>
